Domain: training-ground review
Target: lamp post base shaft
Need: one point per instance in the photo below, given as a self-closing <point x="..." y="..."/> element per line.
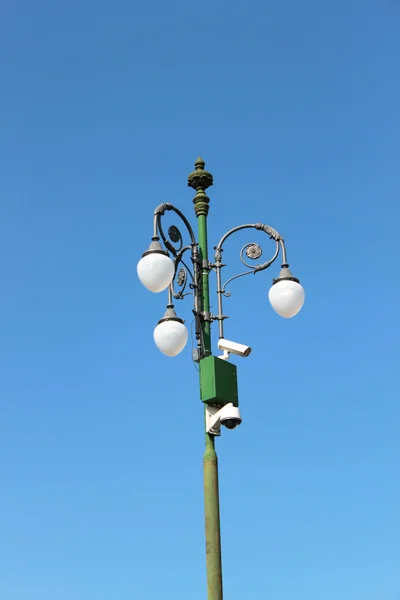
<point x="212" y="518"/>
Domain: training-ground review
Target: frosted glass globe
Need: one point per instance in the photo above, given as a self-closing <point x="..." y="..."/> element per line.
<point x="156" y="271"/>
<point x="287" y="298"/>
<point x="170" y="337"/>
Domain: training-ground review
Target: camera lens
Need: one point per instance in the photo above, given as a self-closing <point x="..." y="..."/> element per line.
<point x="230" y="423"/>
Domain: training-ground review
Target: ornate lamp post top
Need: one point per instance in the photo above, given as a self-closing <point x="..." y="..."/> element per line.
<point x="200" y="180"/>
<point x="164" y="268"/>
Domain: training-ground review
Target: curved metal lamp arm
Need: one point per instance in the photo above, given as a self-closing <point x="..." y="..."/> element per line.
<point x="283" y="248"/>
<point x="181" y="276"/>
<point x="273" y="234"/>
<point x="175" y="237"/>
<point x="158" y="213"/>
<point x="253" y="252"/>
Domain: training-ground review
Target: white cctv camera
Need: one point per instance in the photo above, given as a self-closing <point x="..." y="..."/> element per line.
<point x="232" y="348"/>
<point x="228" y="415"/>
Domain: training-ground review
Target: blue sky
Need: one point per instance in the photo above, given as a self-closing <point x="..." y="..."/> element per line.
<point x="104" y="108"/>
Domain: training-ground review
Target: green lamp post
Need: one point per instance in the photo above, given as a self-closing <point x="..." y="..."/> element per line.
<point x="165" y="267"/>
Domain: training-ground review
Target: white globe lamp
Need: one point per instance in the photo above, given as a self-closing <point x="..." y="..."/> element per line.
<point x="170" y="335"/>
<point x="155" y="269"/>
<point x="286" y="294"/>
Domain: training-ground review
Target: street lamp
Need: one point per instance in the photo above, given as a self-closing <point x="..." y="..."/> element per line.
<point x="165" y="267"/>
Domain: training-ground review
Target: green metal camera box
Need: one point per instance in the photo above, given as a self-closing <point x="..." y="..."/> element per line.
<point x="218" y="381"/>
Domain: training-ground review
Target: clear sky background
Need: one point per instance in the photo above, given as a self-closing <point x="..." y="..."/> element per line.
<point x="104" y="107"/>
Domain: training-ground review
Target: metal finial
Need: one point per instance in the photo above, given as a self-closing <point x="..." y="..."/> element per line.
<point x="200" y="179"/>
<point x="200" y="164"/>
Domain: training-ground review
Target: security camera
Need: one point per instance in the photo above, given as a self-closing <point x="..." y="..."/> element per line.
<point x="228" y="415"/>
<point x="232" y="348"/>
